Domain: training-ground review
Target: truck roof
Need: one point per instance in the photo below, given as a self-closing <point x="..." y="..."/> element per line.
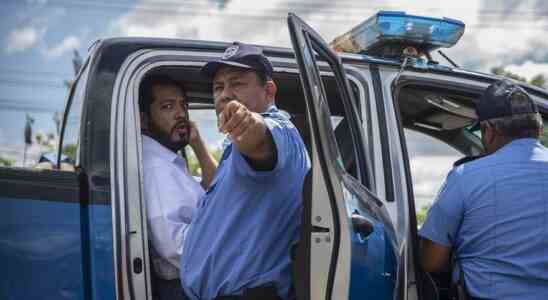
<point x="113" y="51"/>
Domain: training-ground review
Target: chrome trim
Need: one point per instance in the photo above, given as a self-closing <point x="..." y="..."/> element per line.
<point x="426" y="126"/>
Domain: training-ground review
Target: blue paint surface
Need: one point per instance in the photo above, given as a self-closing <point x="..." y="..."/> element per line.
<point x="373" y="262"/>
<point x="42" y="254"/>
<point x="373" y="270"/>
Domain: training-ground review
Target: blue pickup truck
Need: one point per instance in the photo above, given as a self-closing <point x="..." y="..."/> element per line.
<point x="79" y="231"/>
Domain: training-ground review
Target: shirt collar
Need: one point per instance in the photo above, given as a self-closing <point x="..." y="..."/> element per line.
<point x="152" y="146"/>
<point x="527" y="142"/>
<point x="271" y="109"/>
<point x="523" y="142"/>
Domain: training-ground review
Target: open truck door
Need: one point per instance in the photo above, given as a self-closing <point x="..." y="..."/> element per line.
<point x="347" y="244"/>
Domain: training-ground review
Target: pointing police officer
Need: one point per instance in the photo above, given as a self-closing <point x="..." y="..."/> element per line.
<point x="239" y="241"/>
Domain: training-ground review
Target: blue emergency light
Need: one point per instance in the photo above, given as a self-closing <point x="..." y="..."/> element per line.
<point x="387" y="33"/>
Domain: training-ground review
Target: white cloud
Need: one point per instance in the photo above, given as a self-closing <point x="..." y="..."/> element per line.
<point x="205" y="20"/>
<point x="504" y="33"/>
<point x="529" y="69"/>
<point x="265" y="23"/>
<point x="428" y="179"/>
<point x="67" y="44"/>
<point x="21" y="39"/>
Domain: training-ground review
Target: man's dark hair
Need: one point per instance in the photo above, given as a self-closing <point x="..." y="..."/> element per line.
<point x="263" y="78"/>
<point x="146" y="96"/>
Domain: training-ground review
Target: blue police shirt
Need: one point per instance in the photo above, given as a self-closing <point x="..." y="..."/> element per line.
<point x="245" y="224"/>
<point x="493" y="212"/>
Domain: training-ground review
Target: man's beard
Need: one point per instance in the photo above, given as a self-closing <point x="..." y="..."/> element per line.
<point x="164" y="138"/>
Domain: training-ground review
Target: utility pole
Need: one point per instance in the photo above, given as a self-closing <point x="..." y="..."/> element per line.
<point x="28" y="136"/>
<point x="57" y="121"/>
<point x="76" y="62"/>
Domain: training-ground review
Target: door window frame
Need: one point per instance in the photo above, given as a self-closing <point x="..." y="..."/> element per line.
<point x="324" y="154"/>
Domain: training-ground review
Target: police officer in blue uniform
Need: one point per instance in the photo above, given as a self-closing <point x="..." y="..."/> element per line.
<point x="492" y="212"/>
<point x="238" y="244"/>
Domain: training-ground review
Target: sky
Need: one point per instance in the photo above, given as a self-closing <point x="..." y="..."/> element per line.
<point x="38" y="38"/>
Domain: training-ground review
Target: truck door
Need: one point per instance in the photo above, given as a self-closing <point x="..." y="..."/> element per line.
<point x="347" y="245"/>
<point x="43" y="232"/>
<point x="55" y="229"/>
<point x="40" y="240"/>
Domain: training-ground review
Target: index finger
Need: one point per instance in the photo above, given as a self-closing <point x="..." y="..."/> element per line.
<point x="220" y="121"/>
<point x="227" y="112"/>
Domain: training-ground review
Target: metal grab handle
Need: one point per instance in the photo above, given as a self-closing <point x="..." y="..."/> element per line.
<point x="362" y="225"/>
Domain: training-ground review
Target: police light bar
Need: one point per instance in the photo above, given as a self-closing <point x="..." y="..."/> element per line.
<point x="387" y="33"/>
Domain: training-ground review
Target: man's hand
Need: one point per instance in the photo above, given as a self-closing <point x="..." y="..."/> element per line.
<point x="248" y="132"/>
<point x="239" y="122"/>
<point x="206" y="160"/>
<point x="194" y="138"/>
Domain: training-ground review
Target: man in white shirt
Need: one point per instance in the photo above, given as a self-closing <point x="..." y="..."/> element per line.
<point x="171" y="193"/>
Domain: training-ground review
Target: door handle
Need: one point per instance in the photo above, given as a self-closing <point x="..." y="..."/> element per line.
<point x="362" y="225"/>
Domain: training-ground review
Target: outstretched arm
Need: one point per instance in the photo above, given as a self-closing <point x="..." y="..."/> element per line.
<point x="249" y="134"/>
<point x="433" y="256"/>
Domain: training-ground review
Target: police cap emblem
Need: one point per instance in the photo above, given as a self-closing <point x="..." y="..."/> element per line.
<point x="230" y="51"/>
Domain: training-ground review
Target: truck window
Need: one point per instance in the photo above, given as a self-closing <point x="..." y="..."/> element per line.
<point x="69" y="142"/>
<point x="346" y="146"/>
<point x="206" y="120"/>
<point x="30" y="137"/>
<point x="26" y="132"/>
<point x="430" y="161"/>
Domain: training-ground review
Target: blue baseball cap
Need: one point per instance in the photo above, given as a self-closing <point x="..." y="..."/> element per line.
<point x="501" y="99"/>
<point x="240" y="55"/>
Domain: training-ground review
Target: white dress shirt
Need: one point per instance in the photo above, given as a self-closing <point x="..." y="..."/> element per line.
<point x="171" y="196"/>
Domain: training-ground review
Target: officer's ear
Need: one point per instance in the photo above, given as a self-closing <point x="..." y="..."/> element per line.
<point x="489" y="135"/>
<point x="271" y="90"/>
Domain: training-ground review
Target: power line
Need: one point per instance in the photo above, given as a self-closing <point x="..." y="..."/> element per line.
<point x="29" y="101"/>
<point x="32" y="83"/>
<point x="33" y="109"/>
<point x="24" y="72"/>
<point x="172" y="10"/>
<point x="30" y="105"/>
<point x="311" y="5"/>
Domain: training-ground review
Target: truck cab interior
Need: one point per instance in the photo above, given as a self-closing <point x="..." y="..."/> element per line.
<point x="289" y="98"/>
<point x="445" y="114"/>
<point x="440" y="111"/>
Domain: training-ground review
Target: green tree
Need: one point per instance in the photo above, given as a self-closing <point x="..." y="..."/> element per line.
<point x="422" y="213"/>
<point x="544" y="136"/>
<point x="538" y="80"/>
<point x="4" y="162"/>
<point x="194" y="165"/>
<point x="70" y="151"/>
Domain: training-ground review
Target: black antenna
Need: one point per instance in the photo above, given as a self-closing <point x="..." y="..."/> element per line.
<point x="448" y="59"/>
